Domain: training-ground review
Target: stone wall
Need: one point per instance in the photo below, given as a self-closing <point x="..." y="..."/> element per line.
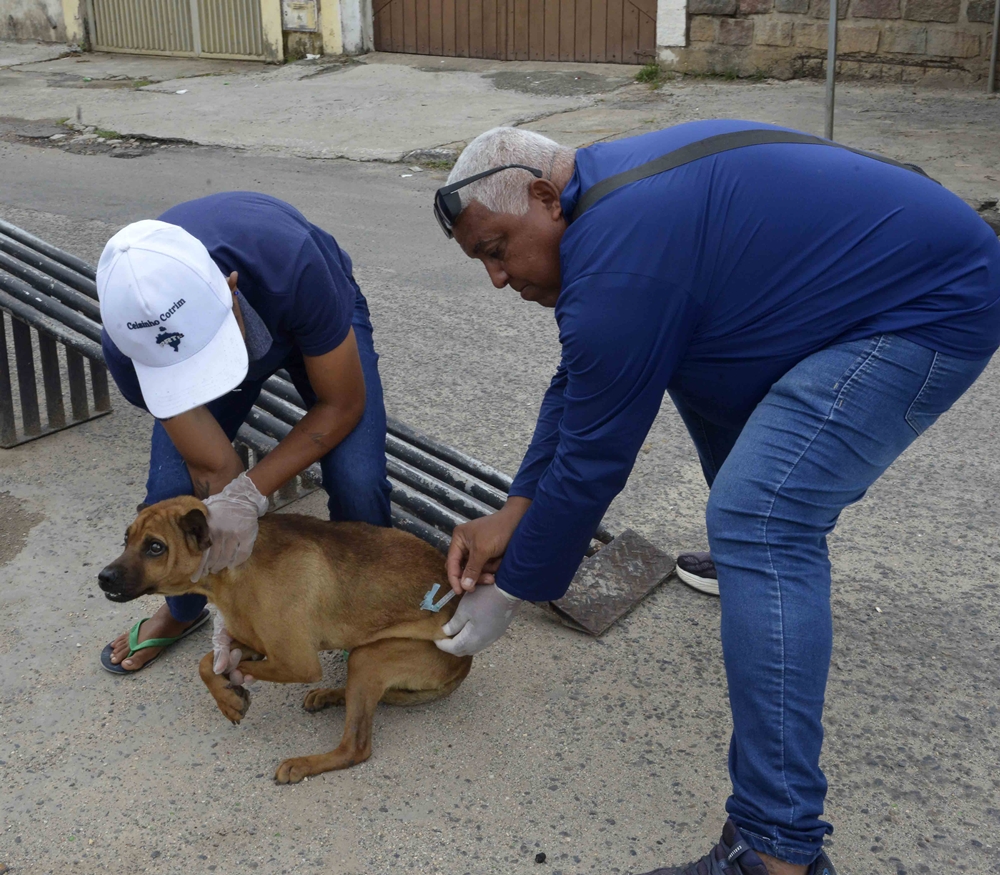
<point x="891" y="40"/>
<point x="32" y="20"/>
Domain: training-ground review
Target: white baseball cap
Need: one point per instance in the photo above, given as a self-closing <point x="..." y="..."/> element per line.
<point x="167" y="306"/>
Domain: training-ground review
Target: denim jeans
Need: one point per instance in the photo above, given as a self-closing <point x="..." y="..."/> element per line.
<point x="353" y="471"/>
<point x="822" y="435"/>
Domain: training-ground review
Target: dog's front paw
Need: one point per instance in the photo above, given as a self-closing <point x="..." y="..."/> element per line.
<point x="233" y="702"/>
<point x="294" y="770"/>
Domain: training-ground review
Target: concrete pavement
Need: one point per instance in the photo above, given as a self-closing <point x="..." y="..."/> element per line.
<point x="608" y="756"/>
<point x="387" y="106"/>
<point x="318" y="109"/>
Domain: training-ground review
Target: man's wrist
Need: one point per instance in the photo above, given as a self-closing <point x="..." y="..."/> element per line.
<point x="211" y="481"/>
<point x="246" y="488"/>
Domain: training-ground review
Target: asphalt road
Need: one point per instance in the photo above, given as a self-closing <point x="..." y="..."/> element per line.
<point x="609" y="756"/>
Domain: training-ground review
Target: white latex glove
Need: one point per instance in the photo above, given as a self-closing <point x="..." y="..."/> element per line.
<point x="227" y="660"/>
<point x="232" y="525"/>
<point x="483" y="615"/>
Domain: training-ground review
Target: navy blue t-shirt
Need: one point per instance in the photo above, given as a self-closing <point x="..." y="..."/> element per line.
<point x="713" y="280"/>
<point x="293" y="275"/>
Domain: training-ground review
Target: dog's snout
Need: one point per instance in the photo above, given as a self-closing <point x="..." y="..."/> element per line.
<point x="108" y="577"/>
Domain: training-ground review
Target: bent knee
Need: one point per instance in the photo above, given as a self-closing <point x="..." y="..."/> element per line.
<point x="730" y="513"/>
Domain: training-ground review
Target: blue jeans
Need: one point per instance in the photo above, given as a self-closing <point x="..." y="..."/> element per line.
<point x="822" y="435"/>
<point x="353" y="471"/>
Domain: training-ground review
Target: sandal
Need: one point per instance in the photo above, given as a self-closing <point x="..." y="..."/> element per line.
<point x="134" y="644"/>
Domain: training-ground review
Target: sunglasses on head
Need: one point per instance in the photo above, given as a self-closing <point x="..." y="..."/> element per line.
<point x="448" y="203"/>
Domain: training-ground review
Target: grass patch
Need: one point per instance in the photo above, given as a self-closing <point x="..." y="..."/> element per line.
<point x="730" y="74"/>
<point x="108" y="135"/>
<point x="653" y="75"/>
<point x="438" y="165"/>
<point x="649" y="74"/>
<point x="141" y="83"/>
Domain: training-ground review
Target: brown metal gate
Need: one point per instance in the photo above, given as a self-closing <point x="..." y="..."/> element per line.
<point x="613" y="31"/>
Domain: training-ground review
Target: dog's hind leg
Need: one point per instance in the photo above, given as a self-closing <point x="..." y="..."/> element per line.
<point x="317" y="700"/>
<point x="396" y="670"/>
<point x="430" y="674"/>
<point x="370" y="670"/>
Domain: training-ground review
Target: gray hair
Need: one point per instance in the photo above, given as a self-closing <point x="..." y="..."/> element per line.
<point x="507" y="192"/>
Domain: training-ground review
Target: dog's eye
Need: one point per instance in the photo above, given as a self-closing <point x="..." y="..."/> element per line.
<point x="155" y="548"/>
<point x="125" y="542"/>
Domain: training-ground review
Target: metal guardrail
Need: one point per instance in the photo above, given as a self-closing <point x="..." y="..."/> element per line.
<point x="43" y="291"/>
<point x="434" y="486"/>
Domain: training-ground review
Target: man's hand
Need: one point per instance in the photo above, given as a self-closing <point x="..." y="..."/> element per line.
<point x="232" y="525"/>
<point x="478" y="546"/>
<point x="483" y="615"/>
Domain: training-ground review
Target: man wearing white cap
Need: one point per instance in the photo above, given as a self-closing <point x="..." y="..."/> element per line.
<point x="199" y="309"/>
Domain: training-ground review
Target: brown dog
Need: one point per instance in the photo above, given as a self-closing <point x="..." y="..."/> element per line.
<point x="309" y="586"/>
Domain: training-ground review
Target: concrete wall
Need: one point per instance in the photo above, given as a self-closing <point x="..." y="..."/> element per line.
<point x="32" y="19"/>
<point x="889" y="40"/>
<point x="357" y="28"/>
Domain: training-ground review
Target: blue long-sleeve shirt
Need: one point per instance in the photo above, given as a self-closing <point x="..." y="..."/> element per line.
<point x="713" y="279"/>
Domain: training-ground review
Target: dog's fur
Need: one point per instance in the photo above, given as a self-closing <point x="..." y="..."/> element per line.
<point x="309" y="586"/>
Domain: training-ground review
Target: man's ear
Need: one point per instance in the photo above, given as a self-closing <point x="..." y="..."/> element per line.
<point x="545" y="191"/>
<point x="194" y="524"/>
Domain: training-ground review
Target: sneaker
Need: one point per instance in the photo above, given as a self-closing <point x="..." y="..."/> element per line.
<point x="733" y="856"/>
<point x="697" y="570"/>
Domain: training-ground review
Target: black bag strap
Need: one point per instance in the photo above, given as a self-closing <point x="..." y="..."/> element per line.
<point x="713" y="146"/>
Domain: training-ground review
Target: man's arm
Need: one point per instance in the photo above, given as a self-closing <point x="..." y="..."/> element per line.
<point x="545" y="439"/>
<point x="339" y="383"/>
<point x="622" y="338"/>
<point x="211" y="460"/>
<point x="477" y="546"/>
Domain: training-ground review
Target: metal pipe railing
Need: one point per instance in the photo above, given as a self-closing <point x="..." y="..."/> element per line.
<point x="48" y="285"/>
<point x="67" y="336"/>
<point x="482" y="494"/>
<point x="50" y="307"/>
<point x="56" y="254"/>
<point x="49" y="334"/>
<point x="416" y="453"/>
<point x="49" y="266"/>
<point x="438" y="490"/>
<point x="426" y="508"/>
<point x="262" y="444"/>
<point x="460" y="460"/>
<point x="402" y="519"/>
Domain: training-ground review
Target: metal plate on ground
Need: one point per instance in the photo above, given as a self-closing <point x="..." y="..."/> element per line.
<point x="612" y="582"/>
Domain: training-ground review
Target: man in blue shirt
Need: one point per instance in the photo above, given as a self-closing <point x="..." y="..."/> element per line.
<point x="809" y="309"/>
<point x="199" y="309"/>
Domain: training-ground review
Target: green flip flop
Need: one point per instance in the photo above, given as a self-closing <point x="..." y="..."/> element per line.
<point x="134" y="644"/>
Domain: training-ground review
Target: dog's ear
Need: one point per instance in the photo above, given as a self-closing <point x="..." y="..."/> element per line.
<point x="194" y="524"/>
<point x="139" y="508"/>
